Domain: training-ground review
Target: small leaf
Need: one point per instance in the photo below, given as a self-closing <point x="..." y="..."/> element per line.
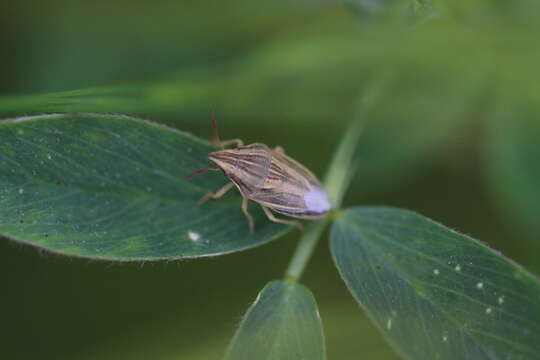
<point x="435" y="293"/>
<point x="115" y="187"/>
<point x="282" y="324"/>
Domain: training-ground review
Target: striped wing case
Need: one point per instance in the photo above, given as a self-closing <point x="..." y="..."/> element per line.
<point x="274" y="180"/>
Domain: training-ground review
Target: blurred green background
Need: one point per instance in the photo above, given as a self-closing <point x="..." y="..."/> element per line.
<point x="454" y="136"/>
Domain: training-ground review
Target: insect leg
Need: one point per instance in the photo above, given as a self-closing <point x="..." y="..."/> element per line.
<point x="271" y="217"/>
<point x="248" y="215"/>
<point x="238" y="143"/>
<point x="279" y="150"/>
<point x="217" y="194"/>
<point x="200" y="171"/>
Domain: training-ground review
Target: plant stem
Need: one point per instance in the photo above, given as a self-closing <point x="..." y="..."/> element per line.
<point x="337" y="180"/>
<point x="304" y="249"/>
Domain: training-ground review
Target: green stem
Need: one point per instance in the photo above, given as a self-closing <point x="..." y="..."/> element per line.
<point x="336" y="182"/>
<point x="304" y="249"/>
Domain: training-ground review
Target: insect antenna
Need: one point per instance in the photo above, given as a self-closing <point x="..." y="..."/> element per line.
<point x="215" y="131"/>
<point x="200" y="171"/>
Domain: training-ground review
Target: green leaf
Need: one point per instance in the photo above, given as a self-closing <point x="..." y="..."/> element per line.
<point x="115" y="187"/>
<point x="435" y="293"/>
<point x="282" y="324"/>
<point x="513" y="166"/>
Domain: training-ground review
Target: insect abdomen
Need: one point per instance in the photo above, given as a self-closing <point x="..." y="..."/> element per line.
<point x="292" y="190"/>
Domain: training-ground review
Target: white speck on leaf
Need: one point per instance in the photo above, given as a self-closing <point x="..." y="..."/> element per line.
<point x="480" y="285"/>
<point x="21" y="191"/>
<point x="193" y="236"/>
<point x="500" y="300"/>
<point x="458" y="267"/>
<point x="488" y="310"/>
<point x="445" y="338"/>
<point x="389" y="324"/>
<point x="49" y="156"/>
<point x="436" y="272"/>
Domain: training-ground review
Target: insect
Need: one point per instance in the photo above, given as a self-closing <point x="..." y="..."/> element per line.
<point x="268" y="177"/>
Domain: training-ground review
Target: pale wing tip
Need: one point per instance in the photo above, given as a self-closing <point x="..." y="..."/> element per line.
<point x="317" y="200"/>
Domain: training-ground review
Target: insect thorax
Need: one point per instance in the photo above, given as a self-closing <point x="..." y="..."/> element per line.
<point x="247" y="166"/>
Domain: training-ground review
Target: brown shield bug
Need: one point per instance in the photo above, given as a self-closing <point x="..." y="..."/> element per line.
<point x="270" y="178"/>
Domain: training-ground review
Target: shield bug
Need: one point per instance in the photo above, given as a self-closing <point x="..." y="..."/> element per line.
<point x="268" y="177"/>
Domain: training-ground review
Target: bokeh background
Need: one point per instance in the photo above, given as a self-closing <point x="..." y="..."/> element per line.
<point x="453" y="134"/>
